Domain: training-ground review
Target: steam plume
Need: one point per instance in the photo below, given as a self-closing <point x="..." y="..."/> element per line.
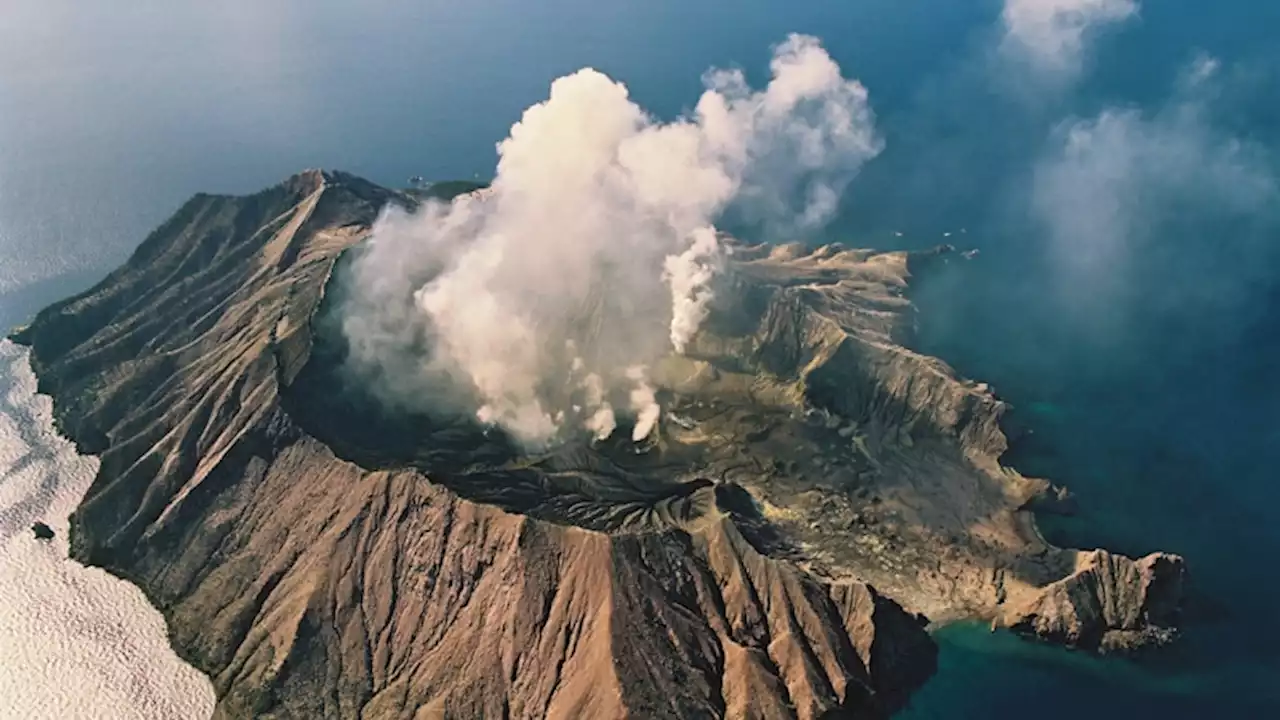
<point x="690" y="274"/>
<point x="598" y="229"/>
<point x="644" y="402"/>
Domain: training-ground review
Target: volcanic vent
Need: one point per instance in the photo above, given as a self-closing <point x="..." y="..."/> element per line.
<point x="612" y="483"/>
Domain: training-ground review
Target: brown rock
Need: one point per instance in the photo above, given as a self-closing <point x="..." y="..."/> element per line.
<point x="309" y="586"/>
<point x="1109" y="603"/>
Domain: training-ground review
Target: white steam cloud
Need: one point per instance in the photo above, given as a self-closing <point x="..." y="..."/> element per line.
<point x="690" y="274"/>
<point x="644" y="402"/>
<point x="1111" y="183"/>
<point x="541" y="302"/>
<point x="1051" y="35"/>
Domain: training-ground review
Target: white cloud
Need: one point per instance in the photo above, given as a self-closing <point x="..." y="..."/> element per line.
<point x="599" y="229"/>
<point x="1051" y="35"/>
<point x="1111" y="182"/>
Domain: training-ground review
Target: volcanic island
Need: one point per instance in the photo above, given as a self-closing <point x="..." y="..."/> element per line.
<point x="814" y="498"/>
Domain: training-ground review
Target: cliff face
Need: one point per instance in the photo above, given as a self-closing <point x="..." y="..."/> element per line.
<point x="891" y="463"/>
<point x="1107" y="603"/>
<point x="309" y="586"/>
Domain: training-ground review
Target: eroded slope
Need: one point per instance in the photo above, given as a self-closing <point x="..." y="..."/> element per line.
<point x="309" y="586"/>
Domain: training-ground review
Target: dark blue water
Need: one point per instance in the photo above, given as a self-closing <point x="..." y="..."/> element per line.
<point x="1147" y="375"/>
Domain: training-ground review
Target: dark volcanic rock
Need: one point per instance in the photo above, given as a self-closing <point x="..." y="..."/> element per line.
<point x="42" y="531"/>
<point x="1053" y="500"/>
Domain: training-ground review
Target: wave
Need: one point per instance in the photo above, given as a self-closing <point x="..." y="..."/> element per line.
<point x="77" y="641"/>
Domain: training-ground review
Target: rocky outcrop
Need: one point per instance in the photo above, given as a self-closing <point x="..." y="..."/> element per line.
<point x="904" y="485"/>
<point x="1109" y="603"/>
<point x="836" y="321"/>
<point x="308" y="585"/>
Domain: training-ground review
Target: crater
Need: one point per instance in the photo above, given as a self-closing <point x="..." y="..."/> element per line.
<point x="613" y="485"/>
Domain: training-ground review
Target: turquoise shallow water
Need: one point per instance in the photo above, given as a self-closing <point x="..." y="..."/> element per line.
<point x="1151" y="394"/>
<point x="983" y="675"/>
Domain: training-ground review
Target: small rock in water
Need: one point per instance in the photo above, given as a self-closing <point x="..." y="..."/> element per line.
<point x="42" y="531"/>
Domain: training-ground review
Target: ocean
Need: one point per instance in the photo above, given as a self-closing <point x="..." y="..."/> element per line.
<point x="1118" y="175"/>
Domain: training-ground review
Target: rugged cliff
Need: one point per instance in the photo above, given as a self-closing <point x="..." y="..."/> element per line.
<point x="807" y="456"/>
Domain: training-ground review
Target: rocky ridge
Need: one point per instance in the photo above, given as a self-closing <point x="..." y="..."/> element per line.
<point x="905" y="488"/>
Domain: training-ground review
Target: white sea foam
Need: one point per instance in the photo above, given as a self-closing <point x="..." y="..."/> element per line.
<point x="75" y="642"/>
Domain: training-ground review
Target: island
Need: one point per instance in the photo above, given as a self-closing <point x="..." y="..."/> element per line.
<point x="816" y="495"/>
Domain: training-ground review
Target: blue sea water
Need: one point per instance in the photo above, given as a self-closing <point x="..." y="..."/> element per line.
<point x="1146" y="373"/>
